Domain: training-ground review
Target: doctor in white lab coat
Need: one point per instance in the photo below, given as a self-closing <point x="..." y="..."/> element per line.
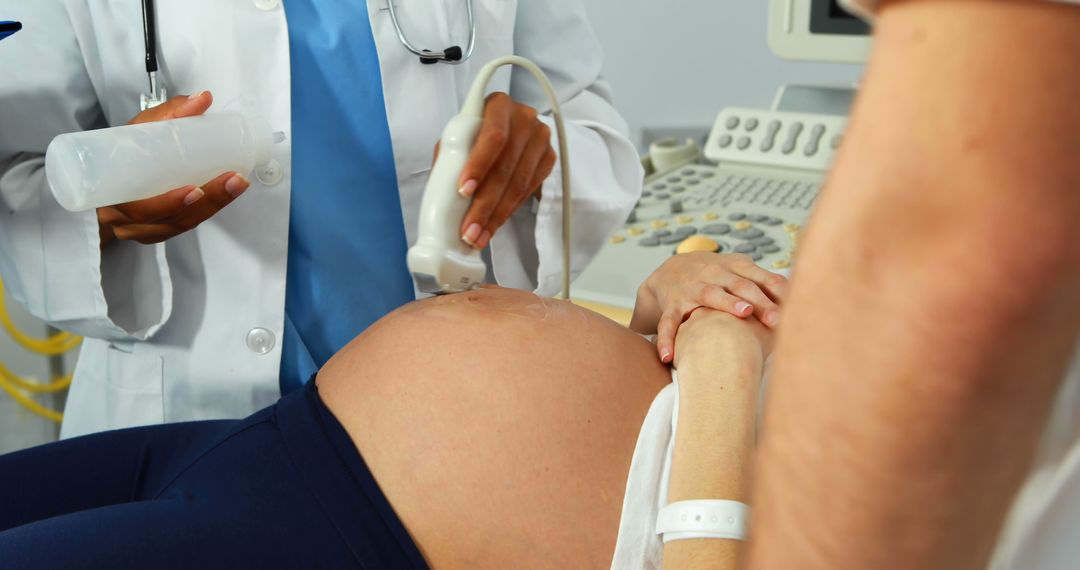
<point x="193" y="327"/>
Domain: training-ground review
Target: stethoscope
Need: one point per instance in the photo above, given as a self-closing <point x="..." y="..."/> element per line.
<point x="452" y="55"/>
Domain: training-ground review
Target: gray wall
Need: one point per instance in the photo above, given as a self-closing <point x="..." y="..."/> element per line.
<point x="676" y="63"/>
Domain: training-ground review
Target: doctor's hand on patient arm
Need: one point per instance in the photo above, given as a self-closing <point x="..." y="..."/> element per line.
<point x="732" y="283"/>
<point x="509" y="162"/>
<point x="168" y="215"/>
<point x="720" y="361"/>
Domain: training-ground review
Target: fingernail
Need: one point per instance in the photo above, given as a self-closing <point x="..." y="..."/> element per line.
<point x="195" y="96"/>
<point x="194" y="196"/>
<point x="483" y="241"/>
<point x="742" y="307"/>
<point x="236" y="185"/>
<point x="472" y="233"/>
<point x="773" y="318"/>
<point x="467" y="189"/>
<point x="665" y="355"/>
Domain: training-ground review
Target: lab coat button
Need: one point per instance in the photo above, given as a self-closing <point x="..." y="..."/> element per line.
<point x="270" y="173"/>
<point x="260" y="341"/>
<point x="267" y="5"/>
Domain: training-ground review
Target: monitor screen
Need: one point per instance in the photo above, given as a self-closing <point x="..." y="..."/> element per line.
<point x="828" y="17"/>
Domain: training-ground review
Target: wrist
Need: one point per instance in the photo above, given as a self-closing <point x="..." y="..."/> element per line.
<point x="713" y="334"/>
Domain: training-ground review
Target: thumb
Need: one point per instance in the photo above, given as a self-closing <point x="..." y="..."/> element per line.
<point x="176" y="107"/>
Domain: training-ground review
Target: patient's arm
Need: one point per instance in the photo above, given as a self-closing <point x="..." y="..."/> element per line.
<point x="923" y="344"/>
<point x="500" y="425"/>
<point x="720" y="364"/>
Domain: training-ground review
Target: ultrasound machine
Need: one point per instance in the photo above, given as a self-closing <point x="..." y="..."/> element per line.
<point x="753" y="186"/>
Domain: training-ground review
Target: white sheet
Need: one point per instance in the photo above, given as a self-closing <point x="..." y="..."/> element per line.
<point x="638" y="546"/>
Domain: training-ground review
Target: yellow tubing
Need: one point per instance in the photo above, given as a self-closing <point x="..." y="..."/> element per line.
<point x="53" y="346"/>
<point x="28" y="403"/>
<point x="57" y="385"/>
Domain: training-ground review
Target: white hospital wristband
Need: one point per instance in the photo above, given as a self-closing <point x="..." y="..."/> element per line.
<point x="703" y="519"/>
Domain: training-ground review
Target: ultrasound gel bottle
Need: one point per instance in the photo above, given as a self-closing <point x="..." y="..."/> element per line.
<point x="92" y="169"/>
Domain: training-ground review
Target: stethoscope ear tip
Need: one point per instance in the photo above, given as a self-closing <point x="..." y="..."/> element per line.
<point x="429" y="60"/>
<point x="452" y="54"/>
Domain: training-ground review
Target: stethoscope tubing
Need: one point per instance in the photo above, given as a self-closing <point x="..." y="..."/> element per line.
<point x="426" y="56"/>
<point x="442" y="56"/>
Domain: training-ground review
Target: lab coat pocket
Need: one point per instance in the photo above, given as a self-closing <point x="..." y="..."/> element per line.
<point x="133" y="384"/>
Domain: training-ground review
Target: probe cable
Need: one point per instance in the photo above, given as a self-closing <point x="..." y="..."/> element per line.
<point x="474" y="104"/>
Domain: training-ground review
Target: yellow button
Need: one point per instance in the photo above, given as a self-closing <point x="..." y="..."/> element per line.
<point x="781" y="264"/>
<point x="617" y="239"/>
<point x="709" y="216"/>
<point x="635" y="231"/>
<point x="658" y="224"/>
<point x="743" y="225"/>
<point x="792" y="228"/>
<point x="697" y="243"/>
<point x="684" y="219"/>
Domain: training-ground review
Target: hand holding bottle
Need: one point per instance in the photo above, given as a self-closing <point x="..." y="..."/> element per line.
<point x="154" y="220"/>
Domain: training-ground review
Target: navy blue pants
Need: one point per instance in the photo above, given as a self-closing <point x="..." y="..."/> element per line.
<point x="284" y="488"/>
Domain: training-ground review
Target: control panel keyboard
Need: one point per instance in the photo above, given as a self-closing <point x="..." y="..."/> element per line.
<point x="775" y="138"/>
<point x="700" y="207"/>
<point x="754" y="200"/>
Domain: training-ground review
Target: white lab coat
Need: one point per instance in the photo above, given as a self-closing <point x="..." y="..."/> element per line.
<point x="179" y="331"/>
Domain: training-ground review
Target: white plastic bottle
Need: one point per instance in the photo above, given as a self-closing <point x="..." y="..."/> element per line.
<point x="92" y="169"/>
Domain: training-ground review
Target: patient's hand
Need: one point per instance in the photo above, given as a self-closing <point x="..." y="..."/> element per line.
<point x="731" y="283"/>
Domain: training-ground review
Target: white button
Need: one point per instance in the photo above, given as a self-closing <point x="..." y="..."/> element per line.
<point x="267" y="4"/>
<point x="269" y="173"/>
<point x="260" y="341"/>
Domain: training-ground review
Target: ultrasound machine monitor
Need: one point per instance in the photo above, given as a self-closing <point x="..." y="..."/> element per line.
<point x="817" y="30"/>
